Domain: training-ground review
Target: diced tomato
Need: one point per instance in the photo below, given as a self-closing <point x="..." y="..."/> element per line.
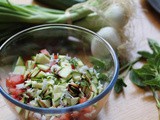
<point x="13" y="80"/>
<point x="75" y="114"/>
<point x="82" y="117"/>
<point x="9" y="83"/>
<point x="13" y="96"/>
<point x="55" y="56"/>
<point x="15" y="92"/>
<point x="66" y="116"/>
<point x="44" y="51"/>
<point x="73" y="67"/>
<point x="82" y="100"/>
<point x="88" y="109"/>
<point x="56" y="118"/>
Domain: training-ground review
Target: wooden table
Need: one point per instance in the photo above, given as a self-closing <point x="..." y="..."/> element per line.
<point x="134" y="103"/>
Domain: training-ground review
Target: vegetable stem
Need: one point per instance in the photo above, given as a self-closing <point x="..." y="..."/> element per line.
<point x="157" y="100"/>
<point x="129" y="65"/>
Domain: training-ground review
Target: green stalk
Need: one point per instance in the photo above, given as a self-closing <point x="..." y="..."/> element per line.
<point x="157" y="100"/>
<point x="39" y="15"/>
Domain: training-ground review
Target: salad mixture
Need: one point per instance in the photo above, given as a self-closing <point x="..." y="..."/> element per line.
<point x="53" y="80"/>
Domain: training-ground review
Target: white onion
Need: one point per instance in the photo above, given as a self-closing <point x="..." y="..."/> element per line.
<point x="111" y="36"/>
<point x="116" y="16"/>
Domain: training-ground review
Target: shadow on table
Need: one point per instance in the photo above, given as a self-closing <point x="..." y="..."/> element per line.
<point x="151" y="14"/>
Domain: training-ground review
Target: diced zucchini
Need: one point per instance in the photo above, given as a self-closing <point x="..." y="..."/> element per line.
<point x="30" y="64"/>
<point x="55" y="68"/>
<point x="18" y="109"/>
<point x="72" y="101"/>
<point x="36" y="84"/>
<point x="61" y="56"/>
<point x="65" y="72"/>
<point x="35" y="71"/>
<point x="42" y="59"/>
<point x="65" y="102"/>
<point x="43" y="67"/>
<point x="94" y="80"/>
<point x="19" y="70"/>
<point x="26" y="74"/>
<point x="20" y="62"/>
<point x="33" y="58"/>
<point x="41" y="74"/>
<point x="76" y="76"/>
<point x="59" y="89"/>
<point x="80" y="63"/>
<point x="33" y="103"/>
<point x="65" y="64"/>
<point x="55" y="103"/>
<point x="57" y="96"/>
<point x="88" y="75"/>
<point x="94" y="89"/>
<point x="44" y="103"/>
<point x="28" y="83"/>
<point x="26" y="114"/>
<point x="91" y="95"/>
<point x="49" y="91"/>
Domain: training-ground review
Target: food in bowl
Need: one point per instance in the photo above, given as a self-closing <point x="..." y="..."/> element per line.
<point x="54" y="81"/>
<point x="63" y="39"/>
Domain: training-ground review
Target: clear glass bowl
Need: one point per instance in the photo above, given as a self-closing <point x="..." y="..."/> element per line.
<point x="63" y="39"/>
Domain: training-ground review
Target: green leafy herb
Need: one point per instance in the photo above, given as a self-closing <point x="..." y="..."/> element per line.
<point x="119" y="85"/>
<point x="124" y="70"/>
<point x="155" y="47"/>
<point x="99" y="65"/>
<point x="103" y="77"/>
<point x="148" y="76"/>
<point x="135" y="79"/>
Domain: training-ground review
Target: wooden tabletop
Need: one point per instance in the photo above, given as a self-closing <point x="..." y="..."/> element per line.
<point x="134" y="103"/>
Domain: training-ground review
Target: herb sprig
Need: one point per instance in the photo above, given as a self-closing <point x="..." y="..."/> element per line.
<point x="148" y="76"/>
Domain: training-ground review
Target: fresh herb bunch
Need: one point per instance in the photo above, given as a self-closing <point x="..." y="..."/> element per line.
<point x="148" y="76"/>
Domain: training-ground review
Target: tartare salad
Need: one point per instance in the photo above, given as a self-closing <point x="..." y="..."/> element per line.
<point x="53" y="81"/>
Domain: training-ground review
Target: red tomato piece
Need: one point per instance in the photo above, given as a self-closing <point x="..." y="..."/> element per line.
<point x="88" y="109"/>
<point x="55" y="56"/>
<point x="75" y="115"/>
<point x="66" y="116"/>
<point x="15" y="92"/>
<point x="56" y="118"/>
<point x="13" y="80"/>
<point x="9" y="83"/>
<point x="73" y="67"/>
<point x="44" y="51"/>
<point x="82" y="100"/>
<point x="82" y="117"/>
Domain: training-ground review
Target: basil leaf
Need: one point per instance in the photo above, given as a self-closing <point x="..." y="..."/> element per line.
<point x="153" y="83"/>
<point x="154" y="46"/>
<point x="103" y="77"/>
<point x="99" y="65"/>
<point x="135" y="79"/>
<point x="119" y="85"/>
<point x="145" y="54"/>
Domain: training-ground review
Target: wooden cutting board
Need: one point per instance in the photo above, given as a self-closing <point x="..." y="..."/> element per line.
<point x="134" y="103"/>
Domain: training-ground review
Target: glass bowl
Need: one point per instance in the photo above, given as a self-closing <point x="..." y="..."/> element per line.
<point x="63" y="39"/>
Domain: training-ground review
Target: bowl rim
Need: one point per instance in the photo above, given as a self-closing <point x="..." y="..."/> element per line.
<point x="69" y="108"/>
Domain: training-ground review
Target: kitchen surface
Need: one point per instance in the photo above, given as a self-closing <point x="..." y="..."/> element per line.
<point x="134" y="103"/>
